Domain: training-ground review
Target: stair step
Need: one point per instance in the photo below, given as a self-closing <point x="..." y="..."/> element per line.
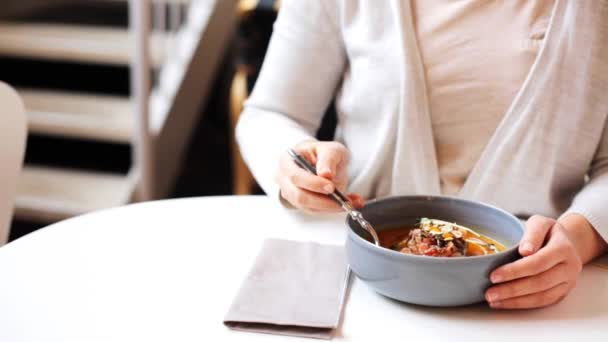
<point x="52" y="194"/>
<point x="75" y="43"/>
<point x="74" y="115"/>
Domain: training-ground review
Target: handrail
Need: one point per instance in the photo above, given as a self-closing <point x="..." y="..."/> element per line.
<point x="143" y="143"/>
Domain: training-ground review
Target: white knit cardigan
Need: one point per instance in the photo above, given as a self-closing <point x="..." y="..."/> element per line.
<point x="548" y="156"/>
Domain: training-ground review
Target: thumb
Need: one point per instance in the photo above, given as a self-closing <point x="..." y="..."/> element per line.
<point x="329" y="158"/>
<point x="537" y="228"/>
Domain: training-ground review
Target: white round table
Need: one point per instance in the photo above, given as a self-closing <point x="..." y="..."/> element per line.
<point x="168" y="271"/>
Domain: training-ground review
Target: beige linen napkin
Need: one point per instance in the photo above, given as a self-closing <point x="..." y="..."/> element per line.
<point x="294" y="288"/>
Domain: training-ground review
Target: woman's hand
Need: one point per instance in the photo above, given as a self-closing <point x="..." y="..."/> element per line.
<point x="544" y="275"/>
<point x="553" y="254"/>
<point x="307" y="191"/>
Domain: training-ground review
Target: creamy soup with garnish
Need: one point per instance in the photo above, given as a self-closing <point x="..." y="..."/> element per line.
<point x="438" y="238"/>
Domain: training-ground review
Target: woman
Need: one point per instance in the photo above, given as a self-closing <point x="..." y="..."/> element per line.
<point x="497" y="101"/>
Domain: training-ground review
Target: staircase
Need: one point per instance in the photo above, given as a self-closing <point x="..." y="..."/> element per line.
<point x="185" y="40"/>
<point x="76" y="43"/>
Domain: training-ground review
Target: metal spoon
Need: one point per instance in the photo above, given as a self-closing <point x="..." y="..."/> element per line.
<point x="338" y="197"/>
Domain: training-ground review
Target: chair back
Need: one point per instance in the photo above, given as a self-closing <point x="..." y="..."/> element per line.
<point x="13" y="132"/>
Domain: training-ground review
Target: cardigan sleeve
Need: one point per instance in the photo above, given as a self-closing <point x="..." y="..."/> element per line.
<point x="301" y="71"/>
<point x="592" y="201"/>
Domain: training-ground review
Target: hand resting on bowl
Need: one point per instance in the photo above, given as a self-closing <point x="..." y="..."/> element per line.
<point x="553" y="254"/>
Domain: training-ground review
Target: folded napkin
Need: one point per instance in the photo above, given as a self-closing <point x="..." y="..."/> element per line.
<point x="294" y="288"/>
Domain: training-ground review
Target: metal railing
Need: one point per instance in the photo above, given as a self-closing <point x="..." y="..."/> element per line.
<point x="144" y="17"/>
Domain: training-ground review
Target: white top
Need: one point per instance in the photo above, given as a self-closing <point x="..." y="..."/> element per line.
<point x="364" y="51"/>
<point x="476" y="55"/>
<point x="169" y="270"/>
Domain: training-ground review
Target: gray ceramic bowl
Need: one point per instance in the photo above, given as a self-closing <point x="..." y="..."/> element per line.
<point x="430" y="280"/>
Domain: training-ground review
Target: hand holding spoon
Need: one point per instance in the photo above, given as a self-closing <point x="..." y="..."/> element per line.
<point x="338" y="197"/>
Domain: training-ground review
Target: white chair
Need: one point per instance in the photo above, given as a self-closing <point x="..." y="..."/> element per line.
<point x="13" y="131"/>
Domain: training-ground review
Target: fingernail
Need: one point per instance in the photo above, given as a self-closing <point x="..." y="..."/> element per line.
<point x="527" y="247"/>
<point x="329" y="188"/>
<point x="496" y="278"/>
<point x="325" y="171"/>
<point x="491" y="296"/>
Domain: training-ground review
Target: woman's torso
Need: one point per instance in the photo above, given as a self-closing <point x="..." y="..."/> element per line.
<point x="476" y="56"/>
<point x="536" y="159"/>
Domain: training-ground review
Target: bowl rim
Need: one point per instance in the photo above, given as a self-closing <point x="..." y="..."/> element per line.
<point x="423" y="258"/>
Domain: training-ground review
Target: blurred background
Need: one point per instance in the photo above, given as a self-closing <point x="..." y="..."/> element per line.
<point x="129" y="100"/>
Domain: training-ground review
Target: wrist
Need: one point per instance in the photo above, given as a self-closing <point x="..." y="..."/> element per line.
<point x="588" y="243"/>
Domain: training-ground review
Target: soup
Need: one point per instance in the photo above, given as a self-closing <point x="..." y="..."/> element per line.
<point x="438" y="238"/>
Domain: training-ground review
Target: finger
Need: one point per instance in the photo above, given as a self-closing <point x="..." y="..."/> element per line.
<point x="529" y="285"/>
<point x="535" y="300"/>
<point x="340" y="179"/>
<point x="537" y="228"/>
<point x="309" y="155"/>
<point x="306" y="149"/>
<point x="357" y="201"/>
<point x="304" y="179"/>
<point x="307" y="200"/>
<point x="549" y="256"/>
<point x="329" y="159"/>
